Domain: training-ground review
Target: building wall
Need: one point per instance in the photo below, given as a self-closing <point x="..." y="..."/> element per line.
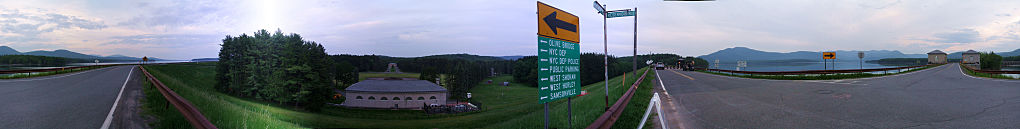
<point x="353" y="101"/>
<point x="971" y="58"/>
<point x="936" y="58"/>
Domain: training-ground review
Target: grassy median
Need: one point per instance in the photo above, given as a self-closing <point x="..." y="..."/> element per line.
<point x="514" y="106"/>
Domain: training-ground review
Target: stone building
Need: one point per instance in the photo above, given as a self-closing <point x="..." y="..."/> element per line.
<point x="406" y="94"/>
<point x="936" y="57"/>
<point x="971" y="57"/>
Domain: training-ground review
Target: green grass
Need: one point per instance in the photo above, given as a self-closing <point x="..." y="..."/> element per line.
<point x="514" y="106"/>
<point x="986" y="75"/>
<point x="363" y="75"/>
<point x="39" y="74"/>
<point x="816" y="77"/>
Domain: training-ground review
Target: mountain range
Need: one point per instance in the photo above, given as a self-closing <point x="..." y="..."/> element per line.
<point x="4" y="50"/>
<point x="748" y="54"/>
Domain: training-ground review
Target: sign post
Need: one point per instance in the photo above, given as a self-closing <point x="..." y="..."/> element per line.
<point x="860" y="57"/>
<point x="559" y="56"/>
<point x="826" y="56"/>
<point x="614" y="14"/>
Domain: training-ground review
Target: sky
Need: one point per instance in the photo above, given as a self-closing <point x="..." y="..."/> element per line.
<point x="186" y="29"/>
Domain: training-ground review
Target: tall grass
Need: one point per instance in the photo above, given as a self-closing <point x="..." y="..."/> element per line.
<point x="987" y="75"/>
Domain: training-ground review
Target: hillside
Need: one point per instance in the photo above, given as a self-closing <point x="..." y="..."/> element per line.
<point x="4" y="50"/>
<point x="743" y="53"/>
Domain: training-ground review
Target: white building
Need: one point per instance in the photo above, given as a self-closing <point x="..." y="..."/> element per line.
<point x="407" y="94"/>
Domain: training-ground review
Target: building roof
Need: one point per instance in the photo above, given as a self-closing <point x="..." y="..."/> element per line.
<point x="971" y="52"/>
<point x="395" y="86"/>
<point x="936" y="52"/>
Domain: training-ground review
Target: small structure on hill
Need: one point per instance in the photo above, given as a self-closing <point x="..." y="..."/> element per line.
<point x="392" y="67"/>
<point x="401" y="93"/>
<point x="971" y="57"/>
<point x="936" y="57"/>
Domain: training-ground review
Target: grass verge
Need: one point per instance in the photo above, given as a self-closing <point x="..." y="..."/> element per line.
<point x="985" y="75"/>
<point x="817" y="77"/>
<point x="514" y="106"/>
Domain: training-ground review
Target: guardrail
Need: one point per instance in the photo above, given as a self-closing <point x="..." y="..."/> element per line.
<point x="49" y="69"/>
<point x="187" y="110"/>
<point x="819" y="71"/>
<point x="989" y="71"/>
<point x="609" y="117"/>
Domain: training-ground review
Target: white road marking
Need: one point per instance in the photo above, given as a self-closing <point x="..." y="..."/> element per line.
<point x="109" y="117"/>
<point x="982" y="78"/>
<point x="34" y="79"/>
<point x="661" y="84"/>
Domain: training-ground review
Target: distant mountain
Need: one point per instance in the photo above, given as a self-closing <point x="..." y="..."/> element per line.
<point x="60" y="53"/>
<point x="4" y="50"/>
<point x="958" y="55"/>
<point x="511" y="57"/>
<point x="748" y="54"/>
<point x="466" y="57"/>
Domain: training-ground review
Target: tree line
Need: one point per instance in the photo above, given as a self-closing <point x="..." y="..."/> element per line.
<point x="31" y="60"/>
<point x="275" y="67"/>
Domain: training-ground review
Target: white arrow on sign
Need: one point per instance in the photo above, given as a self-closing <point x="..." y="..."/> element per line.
<point x="543" y="79"/>
<point x="543" y="41"/>
<point x="544" y="69"/>
<point x="543" y="97"/>
<point x="543" y="88"/>
<point x="543" y="50"/>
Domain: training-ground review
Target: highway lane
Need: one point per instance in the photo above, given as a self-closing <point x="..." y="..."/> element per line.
<point x="75" y="100"/>
<point x="940" y="97"/>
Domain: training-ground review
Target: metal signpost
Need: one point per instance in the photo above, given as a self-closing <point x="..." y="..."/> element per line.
<point x="826" y="56"/>
<point x="558" y="53"/>
<point x="860" y="56"/>
<point x="614" y="14"/>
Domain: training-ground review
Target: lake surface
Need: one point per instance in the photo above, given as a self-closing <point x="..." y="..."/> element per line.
<point x="799" y="66"/>
<point x="85" y="64"/>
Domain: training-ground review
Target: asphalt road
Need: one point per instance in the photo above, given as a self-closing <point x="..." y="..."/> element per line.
<point x="940" y="97"/>
<point x="81" y="100"/>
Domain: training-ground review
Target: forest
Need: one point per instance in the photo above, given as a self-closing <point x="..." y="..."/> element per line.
<point x="275" y="67"/>
<point x="31" y="60"/>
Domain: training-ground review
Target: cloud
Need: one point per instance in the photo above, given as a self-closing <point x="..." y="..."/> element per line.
<point x="19" y="26"/>
<point x="165" y="40"/>
<point x="959" y="36"/>
<point x="177" y="14"/>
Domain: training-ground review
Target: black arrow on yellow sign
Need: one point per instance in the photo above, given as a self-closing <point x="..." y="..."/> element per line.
<point x="557" y="23"/>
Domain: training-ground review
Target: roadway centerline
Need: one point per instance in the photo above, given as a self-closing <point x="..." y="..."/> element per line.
<point x="681" y="74"/>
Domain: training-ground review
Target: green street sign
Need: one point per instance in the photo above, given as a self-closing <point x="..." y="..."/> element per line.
<point x="620" y="13"/>
<point x="558" y="69"/>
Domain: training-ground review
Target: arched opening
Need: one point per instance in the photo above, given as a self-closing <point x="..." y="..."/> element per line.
<point x="433" y="97"/>
<point x="371" y="97"/>
<point x="383" y="98"/>
<point x="396" y="98"/>
<point x="359" y="97"/>
<point x="421" y="98"/>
